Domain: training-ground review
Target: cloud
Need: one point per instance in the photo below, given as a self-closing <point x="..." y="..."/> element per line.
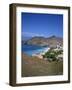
<point x="31" y="34"/>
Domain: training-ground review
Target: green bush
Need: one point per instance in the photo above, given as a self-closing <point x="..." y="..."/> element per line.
<point x="52" y="54"/>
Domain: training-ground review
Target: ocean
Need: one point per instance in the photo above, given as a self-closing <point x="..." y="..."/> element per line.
<point x="33" y="49"/>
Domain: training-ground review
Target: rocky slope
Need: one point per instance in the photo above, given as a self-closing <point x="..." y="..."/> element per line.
<point x="52" y="41"/>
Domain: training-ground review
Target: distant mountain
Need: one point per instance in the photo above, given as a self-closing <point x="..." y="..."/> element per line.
<point x="25" y="38"/>
<point x="52" y="41"/>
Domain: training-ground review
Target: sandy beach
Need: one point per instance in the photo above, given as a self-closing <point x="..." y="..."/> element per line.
<point x="39" y="55"/>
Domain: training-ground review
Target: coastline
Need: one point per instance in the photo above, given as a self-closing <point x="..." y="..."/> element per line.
<point x="39" y="55"/>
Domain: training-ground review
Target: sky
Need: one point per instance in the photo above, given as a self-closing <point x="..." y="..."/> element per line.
<point x="46" y="25"/>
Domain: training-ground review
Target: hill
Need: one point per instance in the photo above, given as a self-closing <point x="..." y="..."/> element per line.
<point x="52" y="41"/>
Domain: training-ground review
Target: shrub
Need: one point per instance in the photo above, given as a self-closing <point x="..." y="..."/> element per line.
<point x="52" y="54"/>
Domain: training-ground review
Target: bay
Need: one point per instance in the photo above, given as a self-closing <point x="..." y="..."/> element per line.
<point x="33" y="49"/>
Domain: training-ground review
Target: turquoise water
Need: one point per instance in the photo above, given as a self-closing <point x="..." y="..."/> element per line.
<point x="33" y="49"/>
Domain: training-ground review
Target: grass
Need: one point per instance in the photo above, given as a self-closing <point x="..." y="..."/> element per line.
<point x="33" y="66"/>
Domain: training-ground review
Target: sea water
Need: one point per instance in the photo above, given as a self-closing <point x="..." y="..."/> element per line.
<point x="33" y="49"/>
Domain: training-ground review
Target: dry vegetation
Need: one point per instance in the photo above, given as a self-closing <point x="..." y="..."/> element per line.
<point x="33" y="66"/>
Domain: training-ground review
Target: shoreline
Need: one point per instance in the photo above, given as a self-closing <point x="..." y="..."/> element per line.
<point x="39" y="55"/>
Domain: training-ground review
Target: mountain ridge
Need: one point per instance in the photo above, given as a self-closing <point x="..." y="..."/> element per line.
<point x="51" y="41"/>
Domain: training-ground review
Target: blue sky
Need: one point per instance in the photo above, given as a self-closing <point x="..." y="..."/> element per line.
<point x="35" y="24"/>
